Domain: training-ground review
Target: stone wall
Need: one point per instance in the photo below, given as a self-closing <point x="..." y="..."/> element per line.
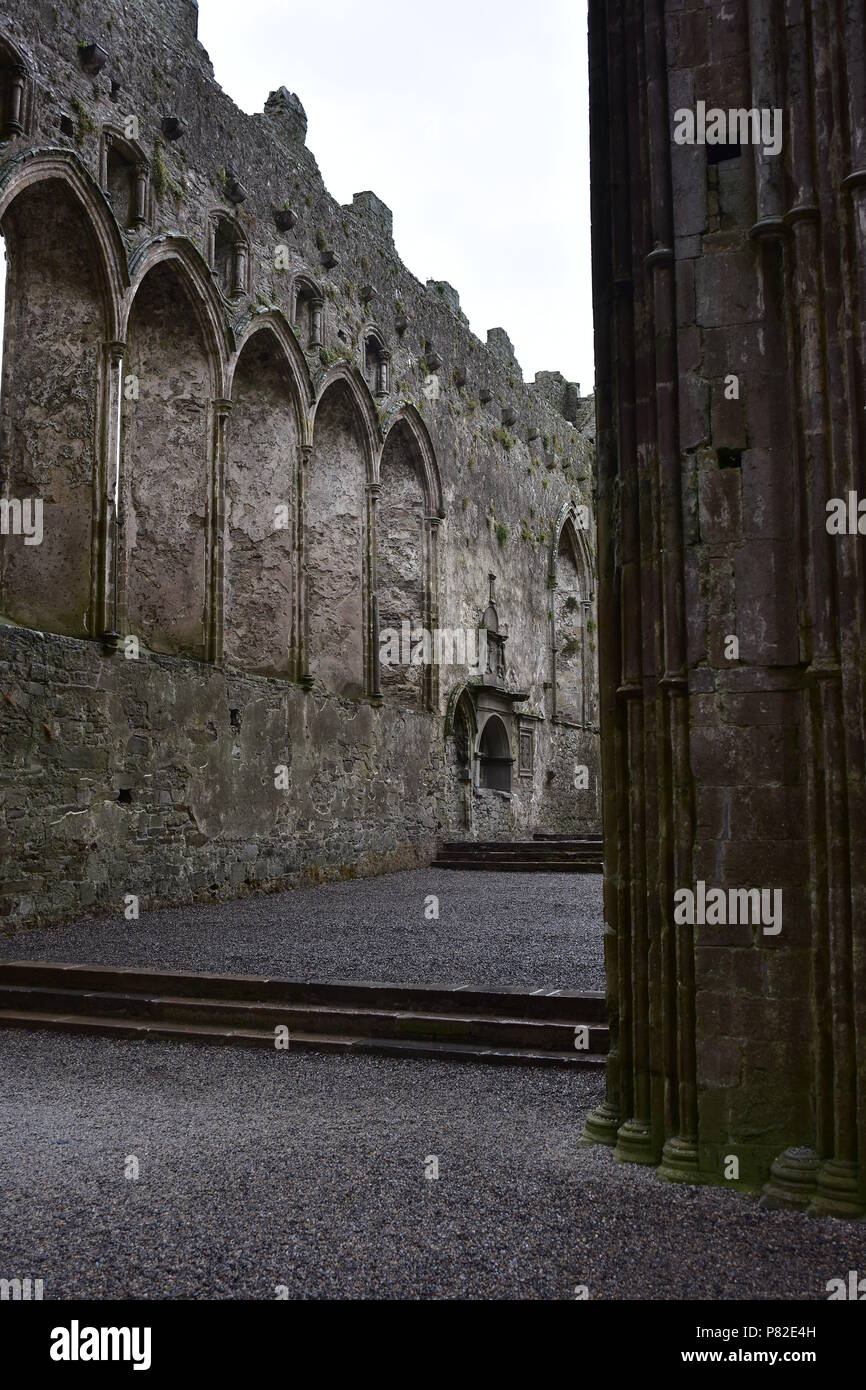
<point x="259" y="443"/>
<point x="729" y="294"/>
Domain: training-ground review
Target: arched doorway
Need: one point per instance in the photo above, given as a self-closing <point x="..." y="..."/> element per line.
<point x="494" y="756"/>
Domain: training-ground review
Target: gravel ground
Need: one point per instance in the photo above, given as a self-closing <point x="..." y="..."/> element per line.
<point x="538" y="930"/>
<point x="259" y="1169"/>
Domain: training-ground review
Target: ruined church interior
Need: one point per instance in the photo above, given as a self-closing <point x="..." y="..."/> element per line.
<point x="432" y="792"/>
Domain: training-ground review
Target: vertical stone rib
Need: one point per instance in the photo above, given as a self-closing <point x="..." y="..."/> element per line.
<point x="215" y="562"/>
<point x="853" y="80"/>
<point x="103" y="616"/>
<point x="431" y="606"/>
<point x="371" y="663"/>
<point x="680" y="1156"/>
<point x="302" y="605"/>
<point x="634" y="1139"/>
<point x="602" y="1124"/>
<point x="829" y="458"/>
<point x="790" y="1180"/>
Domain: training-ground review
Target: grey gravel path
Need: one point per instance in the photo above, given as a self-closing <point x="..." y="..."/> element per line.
<point x="258" y="1170"/>
<point x="493" y="929"/>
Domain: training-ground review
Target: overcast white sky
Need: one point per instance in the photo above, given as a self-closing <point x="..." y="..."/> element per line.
<point x="469" y="118"/>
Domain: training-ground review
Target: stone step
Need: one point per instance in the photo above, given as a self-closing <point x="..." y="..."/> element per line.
<point x="511" y="1025"/>
<point x="511" y="1001"/>
<point x="554" y="866"/>
<point x="554" y="836"/>
<point x="560" y="857"/>
<point x="303" y="1019"/>
<point x="315" y="1042"/>
<point x="526" y="845"/>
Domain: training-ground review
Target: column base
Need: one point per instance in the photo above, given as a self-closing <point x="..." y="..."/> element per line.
<point x="680" y="1160"/>
<point x="838" y="1191"/>
<point x="601" y="1125"/>
<point x="634" y="1143"/>
<point x="793" y="1180"/>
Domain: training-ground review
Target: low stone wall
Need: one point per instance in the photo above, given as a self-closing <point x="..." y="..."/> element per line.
<point x="173" y="780"/>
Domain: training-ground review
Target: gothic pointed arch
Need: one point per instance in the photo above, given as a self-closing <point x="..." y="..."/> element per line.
<point x="403" y="571"/>
<point x="192" y="272"/>
<point x="409" y="418"/>
<point x="461" y="735"/>
<point x="571" y="584"/>
<point x="569" y="516"/>
<point x="337" y="538"/>
<point x="275" y="323"/>
<point x="64" y="168"/>
<point x="263" y="431"/>
<point x="65" y="277"/>
<point x="363" y="406"/>
<point x="172" y="371"/>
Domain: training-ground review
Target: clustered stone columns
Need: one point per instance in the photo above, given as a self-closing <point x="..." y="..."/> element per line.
<point x="731" y="409"/>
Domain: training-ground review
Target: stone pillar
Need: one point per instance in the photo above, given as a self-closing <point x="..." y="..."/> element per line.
<point x="239" y="268"/>
<point x="142" y="176"/>
<point x="217" y="523"/>
<point x="728" y="291"/>
<point x="16" y="99"/>
<point x="383" y="373"/>
<point x="317" y="322"/>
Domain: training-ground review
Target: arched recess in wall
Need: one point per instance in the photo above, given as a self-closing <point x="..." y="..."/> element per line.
<point x="58" y="318"/>
<point x="260" y="540"/>
<point x="572" y="636"/>
<point x="308" y="312"/>
<point x="402" y="560"/>
<point x="337" y="540"/>
<point x="228" y="255"/>
<point x="170" y="378"/>
<point x="124" y="173"/>
<point x="377" y="362"/>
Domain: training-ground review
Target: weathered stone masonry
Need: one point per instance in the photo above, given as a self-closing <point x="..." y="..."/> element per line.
<point x="740" y="769"/>
<point x="258" y="442"/>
